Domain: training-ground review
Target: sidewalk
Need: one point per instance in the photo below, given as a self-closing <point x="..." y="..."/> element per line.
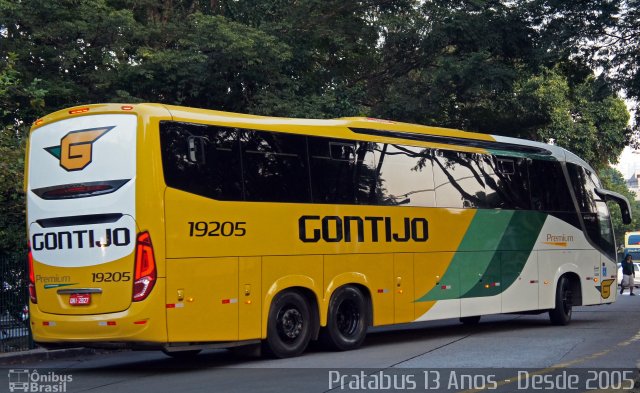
<point x="40" y="354"/>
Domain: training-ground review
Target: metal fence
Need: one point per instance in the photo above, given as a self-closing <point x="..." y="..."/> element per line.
<point x="15" y="334"/>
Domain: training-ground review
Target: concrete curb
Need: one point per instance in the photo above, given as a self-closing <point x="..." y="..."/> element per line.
<point x="41" y="354"/>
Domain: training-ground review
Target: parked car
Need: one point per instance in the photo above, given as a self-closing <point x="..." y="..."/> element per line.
<point x="636" y="281"/>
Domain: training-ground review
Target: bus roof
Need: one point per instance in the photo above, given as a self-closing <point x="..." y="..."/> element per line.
<point x="346" y="127"/>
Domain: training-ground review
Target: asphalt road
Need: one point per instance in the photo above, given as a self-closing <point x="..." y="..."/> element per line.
<point x="600" y="351"/>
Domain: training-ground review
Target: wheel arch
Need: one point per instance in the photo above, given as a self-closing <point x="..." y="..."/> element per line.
<point x="574" y="284"/>
<point x="354" y="279"/>
<point x="305" y="288"/>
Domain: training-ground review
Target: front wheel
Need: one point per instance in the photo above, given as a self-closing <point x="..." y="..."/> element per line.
<point x="289" y="325"/>
<point x="347" y="320"/>
<point x="561" y="314"/>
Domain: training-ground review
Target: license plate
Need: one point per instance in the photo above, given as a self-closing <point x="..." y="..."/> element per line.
<point x="80" y="299"/>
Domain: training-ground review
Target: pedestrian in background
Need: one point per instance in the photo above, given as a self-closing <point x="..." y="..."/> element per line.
<point x="628" y="275"/>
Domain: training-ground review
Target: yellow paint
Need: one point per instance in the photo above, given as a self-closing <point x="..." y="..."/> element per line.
<point x="221" y="288"/>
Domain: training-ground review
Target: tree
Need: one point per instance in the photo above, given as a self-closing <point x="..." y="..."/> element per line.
<point x="16" y="100"/>
<point x="603" y="34"/>
<point x="482" y="66"/>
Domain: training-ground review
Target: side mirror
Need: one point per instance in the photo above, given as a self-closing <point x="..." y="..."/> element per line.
<point x="621" y="200"/>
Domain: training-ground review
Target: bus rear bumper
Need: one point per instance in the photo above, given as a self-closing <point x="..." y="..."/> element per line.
<point x="143" y="322"/>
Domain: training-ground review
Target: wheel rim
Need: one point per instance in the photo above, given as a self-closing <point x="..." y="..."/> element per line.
<point x="348" y="318"/>
<point x="290" y="323"/>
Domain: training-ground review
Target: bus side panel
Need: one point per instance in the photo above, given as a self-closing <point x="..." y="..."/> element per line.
<point x="522" y="293"/>
<point x="250" y="298"/>
<point x="552" y="264"/>
<point x="591" y="276"/>
<point x="202" y="299"/>
<point x="403" y="288"/>
<point x="479" y="283"/>
<point x="377" y="271"/>
<point x="442" y="299"/>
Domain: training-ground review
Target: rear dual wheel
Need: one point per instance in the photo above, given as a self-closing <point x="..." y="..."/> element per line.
<point x="289" y="326"/>
<point x="348" y="319"/>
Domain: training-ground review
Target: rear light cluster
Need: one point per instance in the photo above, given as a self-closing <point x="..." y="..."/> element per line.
<point x="79" y="190"/>
<point x="32" y="277"/>
<point x="145" y="273"/>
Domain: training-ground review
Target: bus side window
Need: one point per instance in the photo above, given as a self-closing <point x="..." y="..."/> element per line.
<point x="594" y="211"/>
<point x="508" y="180"/>
<point x="550" y="191"/>
<point x="200" y="159"/>
<point x="404" y="176"/>
<point x="341" y="170"/>
<point x="459" y="180"/>
<point x="274" y="167"/>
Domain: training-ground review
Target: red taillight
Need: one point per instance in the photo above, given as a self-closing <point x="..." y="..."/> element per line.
<point x="145" y="268"/>
<point x="32" y="277"/>
<point x="71" y="192"/>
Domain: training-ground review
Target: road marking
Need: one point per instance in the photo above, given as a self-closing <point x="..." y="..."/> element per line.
<point x="556" y="367"/>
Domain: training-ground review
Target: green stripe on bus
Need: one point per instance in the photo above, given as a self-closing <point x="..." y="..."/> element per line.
<point x="507" y="264"/>
<point x="495" y="240"/>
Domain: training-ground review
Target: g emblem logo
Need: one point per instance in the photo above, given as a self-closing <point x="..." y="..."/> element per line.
<point x="75" y="151"/>
<point x="605" y="289"/>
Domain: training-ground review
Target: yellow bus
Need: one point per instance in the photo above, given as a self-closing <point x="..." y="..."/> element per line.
<point x="163" y="227"/>
<point x="632" y="244"/>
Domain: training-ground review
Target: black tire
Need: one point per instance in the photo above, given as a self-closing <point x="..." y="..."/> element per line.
<point x="470" y="321"/>
<point x="189" y="354"/>
<point x="561" y="314"/>
<point x="289" y="325"/>
<point x="347" y="321"/>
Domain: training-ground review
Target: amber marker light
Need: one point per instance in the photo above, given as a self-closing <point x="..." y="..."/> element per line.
<point x="127" y="107"/>
<point x="79" y="110"/>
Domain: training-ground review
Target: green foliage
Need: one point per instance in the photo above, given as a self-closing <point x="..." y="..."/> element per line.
<point x="581" y="116"/>
<point x="516" y="68"/>
<point x="17" y="100"/>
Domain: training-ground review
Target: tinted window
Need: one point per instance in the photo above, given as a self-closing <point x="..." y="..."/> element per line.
<point x="507" y="182"/>
<point x="594" y="211"/>
<point x="200" y="159"/>
<point x="459" y="180"/>
<point x="405" y="176"/>
<point x="274" y="167"/>
<point x="583" y="188"/>
<point x="342" y="171"/>
<point x="549" y="189"/>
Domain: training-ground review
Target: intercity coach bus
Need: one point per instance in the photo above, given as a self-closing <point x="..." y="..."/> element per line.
<point x="164" y="227"/>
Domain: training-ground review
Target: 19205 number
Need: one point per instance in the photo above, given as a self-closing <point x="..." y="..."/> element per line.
<point x="217" y="228"/>
<point x="111" y="277"/>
